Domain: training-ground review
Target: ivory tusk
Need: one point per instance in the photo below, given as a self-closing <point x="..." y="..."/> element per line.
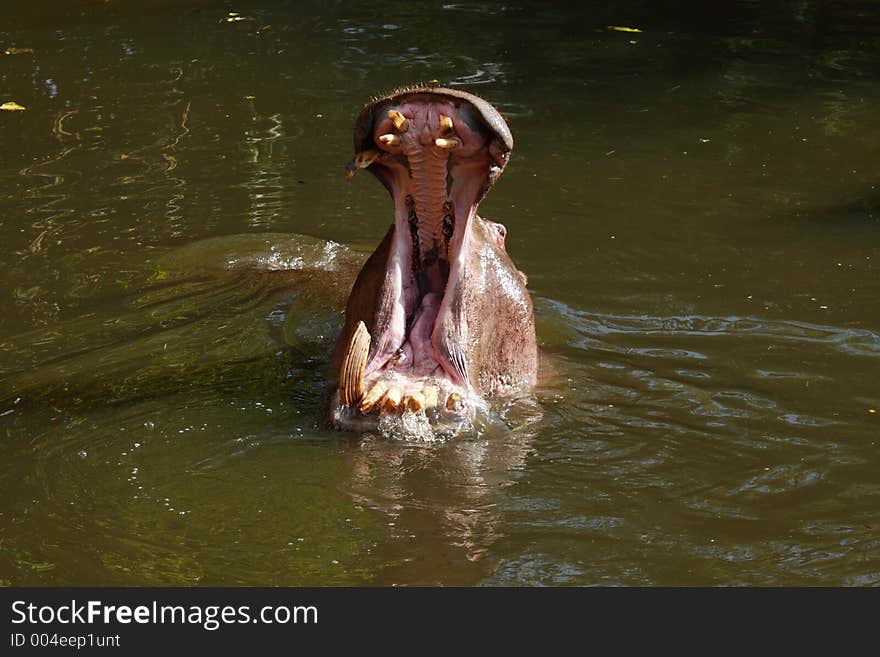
<point x="448" y="144"/>
<point x="399" y="120"/>
<point x="351" y="375"/>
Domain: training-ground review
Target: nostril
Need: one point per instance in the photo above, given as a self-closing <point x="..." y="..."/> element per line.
<point x="500" y="233"/>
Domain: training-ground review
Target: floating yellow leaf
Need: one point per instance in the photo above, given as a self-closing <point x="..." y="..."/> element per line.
<point x="620" y="28"/>
<point x="11" y="107"/>
<point x="19" y="51"/>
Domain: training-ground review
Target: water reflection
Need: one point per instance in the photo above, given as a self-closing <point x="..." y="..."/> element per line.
<point x="440" y="500"/>
<point x="265" y="185"/>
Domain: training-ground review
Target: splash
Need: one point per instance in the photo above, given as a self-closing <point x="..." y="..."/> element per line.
<point x="413" y="426"/>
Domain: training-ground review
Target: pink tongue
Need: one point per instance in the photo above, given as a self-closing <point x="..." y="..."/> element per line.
<point x="424" y="361"/>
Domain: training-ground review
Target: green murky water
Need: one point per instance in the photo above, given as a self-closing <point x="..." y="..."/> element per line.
<point x="695" y="204"/>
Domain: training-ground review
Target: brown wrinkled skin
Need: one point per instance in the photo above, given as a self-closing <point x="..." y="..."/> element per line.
<point x="497" y="310"/>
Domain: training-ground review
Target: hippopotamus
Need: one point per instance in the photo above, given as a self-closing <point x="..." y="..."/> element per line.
<point x="439" y="319"/>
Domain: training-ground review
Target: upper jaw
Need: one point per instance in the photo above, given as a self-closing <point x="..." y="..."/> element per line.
<point x="475" y="116"/>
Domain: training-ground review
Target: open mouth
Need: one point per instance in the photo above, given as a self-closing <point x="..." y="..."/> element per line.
<point x="437" y="151"/>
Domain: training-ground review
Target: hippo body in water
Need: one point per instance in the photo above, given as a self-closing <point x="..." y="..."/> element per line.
<point x="439" y="318"/>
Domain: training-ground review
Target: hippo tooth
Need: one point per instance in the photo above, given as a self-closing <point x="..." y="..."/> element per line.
<point x="399" y="120"/>
<point x="389" y="140"/>
<point x="445" y="123"/>
<point x="373" y="396"/>
<point x="453" y="402"/>
<point x="448" y="144"/>
<point x="431" y="395"/>
<point x="351" y="375"/>
<point x="392" y="398"/>
<point x="415" y="401"/>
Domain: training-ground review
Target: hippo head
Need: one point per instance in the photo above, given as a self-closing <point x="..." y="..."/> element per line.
<point x="439" y="318"/>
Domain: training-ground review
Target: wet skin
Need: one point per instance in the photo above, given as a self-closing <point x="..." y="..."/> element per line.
<point x="439" y="318"/>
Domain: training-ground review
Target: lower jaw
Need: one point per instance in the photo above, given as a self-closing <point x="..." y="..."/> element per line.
<point x="406" y="421"/>
<point x="398" y="404"/>
<point x="397" y="391"/>
<point x="411" y="383"/>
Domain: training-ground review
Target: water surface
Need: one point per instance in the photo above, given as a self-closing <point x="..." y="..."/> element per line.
<point x="696" y="207"/>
